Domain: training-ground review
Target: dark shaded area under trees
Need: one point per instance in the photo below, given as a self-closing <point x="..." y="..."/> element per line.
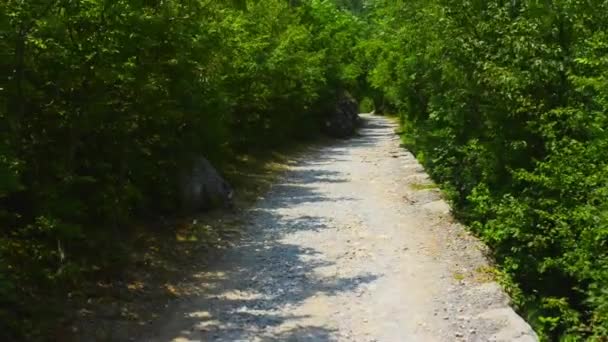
<point x="103" y="103"/>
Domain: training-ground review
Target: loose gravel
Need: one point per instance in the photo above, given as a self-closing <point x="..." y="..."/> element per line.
<point x="354" y="243"/>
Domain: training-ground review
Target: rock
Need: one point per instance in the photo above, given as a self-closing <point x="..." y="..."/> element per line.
<point x="344" y="119"/>
<point x="439" y="207"/>
<point x="202" y="187"/>
<point x="511" y="326"/>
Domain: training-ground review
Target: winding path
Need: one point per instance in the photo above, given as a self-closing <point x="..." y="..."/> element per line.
<point x="353" y="244"/>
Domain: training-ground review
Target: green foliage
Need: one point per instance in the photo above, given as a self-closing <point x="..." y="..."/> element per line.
<point x="106" y="101"/>
<point x="505" y="103"/>
<point x="366" y="105"/>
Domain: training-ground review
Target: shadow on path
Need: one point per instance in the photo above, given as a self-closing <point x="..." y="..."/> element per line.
<point x="253" y="288"/>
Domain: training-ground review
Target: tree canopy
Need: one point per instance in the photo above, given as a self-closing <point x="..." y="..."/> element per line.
<point x="505" y="103"/>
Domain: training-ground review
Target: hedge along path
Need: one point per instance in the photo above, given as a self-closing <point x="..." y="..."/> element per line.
<point x="354" y="243"/>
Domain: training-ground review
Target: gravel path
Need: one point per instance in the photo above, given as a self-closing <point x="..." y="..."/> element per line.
<point x="353" y="244"/>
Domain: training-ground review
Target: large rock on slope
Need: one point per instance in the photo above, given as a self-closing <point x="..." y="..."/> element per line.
<point x="344" y="119"/>
<point x="202" y="187"/>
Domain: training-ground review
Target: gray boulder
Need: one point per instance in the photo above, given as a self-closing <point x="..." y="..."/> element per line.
<point x="202" y="187"/>
<point x="344" y="119"/>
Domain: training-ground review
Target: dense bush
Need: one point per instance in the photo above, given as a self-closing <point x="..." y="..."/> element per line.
<point x="103" y="102"/>
<point x="506" y="104"/>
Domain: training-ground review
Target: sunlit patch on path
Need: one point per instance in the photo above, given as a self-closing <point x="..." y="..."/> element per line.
<point x="354" y="243"/>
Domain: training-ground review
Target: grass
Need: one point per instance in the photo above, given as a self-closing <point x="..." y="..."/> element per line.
<point x="458" y="276"/>
<point x="485" y="274"/>
<point x="424" y="186"/>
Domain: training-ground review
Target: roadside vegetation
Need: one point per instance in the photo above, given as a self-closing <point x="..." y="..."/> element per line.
<point x="505" y="103"/>
<point x="102" y="103"/>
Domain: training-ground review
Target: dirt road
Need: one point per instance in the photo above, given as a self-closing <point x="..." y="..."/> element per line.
<point x="353" y="244"/>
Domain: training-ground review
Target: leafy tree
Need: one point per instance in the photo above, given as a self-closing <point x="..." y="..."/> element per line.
<point x="504" y="102"/>
<point x="105" y="101"/>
